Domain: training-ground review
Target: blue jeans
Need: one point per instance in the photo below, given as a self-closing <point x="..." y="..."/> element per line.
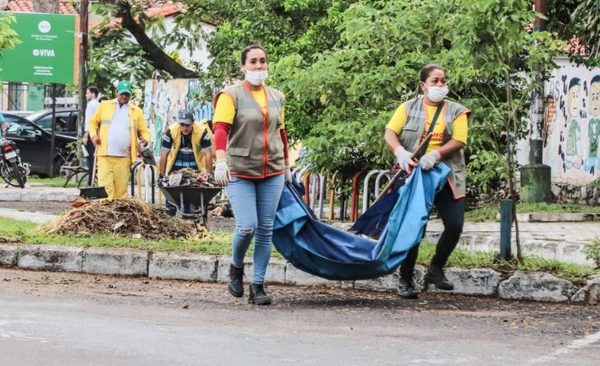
<point x="254" y="203"/>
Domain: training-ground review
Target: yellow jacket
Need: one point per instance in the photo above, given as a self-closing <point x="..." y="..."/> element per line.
<point x="99" y="125"/>
<point x="197" y="133"/>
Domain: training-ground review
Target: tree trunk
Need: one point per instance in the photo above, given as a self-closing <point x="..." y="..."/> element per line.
<point x="46" y="6"/>
<point x="153" y="53"/>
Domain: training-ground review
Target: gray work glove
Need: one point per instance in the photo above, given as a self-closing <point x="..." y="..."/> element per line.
<point x="404" y="158"/>
<point x="222" y="172"/>
<point x="428" y="160"/>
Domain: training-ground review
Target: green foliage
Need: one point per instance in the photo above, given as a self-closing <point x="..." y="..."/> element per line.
<point x="114" y="54"/>
<point x="340" y="98"/>
<point x="345" y="65"/>
<point x="8" y="37"/>
<point x="592" y="251"/>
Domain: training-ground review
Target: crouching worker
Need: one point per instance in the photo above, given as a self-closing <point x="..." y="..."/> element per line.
<point x="187" y="144"/>
<point x="116" y="129"/>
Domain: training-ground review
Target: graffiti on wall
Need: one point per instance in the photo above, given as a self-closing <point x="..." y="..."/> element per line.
<point x="572" y="125"/>
<point x="164" y="98"/>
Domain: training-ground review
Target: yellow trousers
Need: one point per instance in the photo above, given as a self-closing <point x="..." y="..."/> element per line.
<point x="113" y="175"/>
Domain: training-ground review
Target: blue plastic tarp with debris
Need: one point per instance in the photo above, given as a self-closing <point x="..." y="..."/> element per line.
<point x="332" y="253"/>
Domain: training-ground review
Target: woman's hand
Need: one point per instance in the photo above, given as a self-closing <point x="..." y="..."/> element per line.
<point x="428" y="160"/>
<point x="222" y="172"/>
<point x="404" y="158"/>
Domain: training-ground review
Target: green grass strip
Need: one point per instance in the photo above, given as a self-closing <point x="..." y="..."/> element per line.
<point x="218" y="242"/>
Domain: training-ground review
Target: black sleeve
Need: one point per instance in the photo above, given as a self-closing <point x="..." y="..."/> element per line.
<point x="205" y="140"/>
<point x="167" y="140"/>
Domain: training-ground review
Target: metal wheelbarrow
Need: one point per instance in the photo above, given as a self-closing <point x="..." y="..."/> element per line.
<point x="191" y="201"/>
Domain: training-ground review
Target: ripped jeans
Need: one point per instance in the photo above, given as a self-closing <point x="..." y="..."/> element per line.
<point x="254" y="203"/>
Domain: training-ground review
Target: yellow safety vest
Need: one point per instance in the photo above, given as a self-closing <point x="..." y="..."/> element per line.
<point x="197" y="133"/>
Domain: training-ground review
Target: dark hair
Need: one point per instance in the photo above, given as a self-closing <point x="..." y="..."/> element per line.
<point x="93" y="90"/>
<point x="428" y="69"/>
<point x="103" y="98"/>
<point x="248" y="49"/>
<point x="574" y="82"/>
<point x="595" y="79"/>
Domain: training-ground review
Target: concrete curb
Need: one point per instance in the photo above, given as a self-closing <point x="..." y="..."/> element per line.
<point x="30" y="195"/>
<point x="188" y="266"/>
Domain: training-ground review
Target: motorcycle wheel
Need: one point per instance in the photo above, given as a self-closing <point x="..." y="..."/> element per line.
<point x="18" y="176"/>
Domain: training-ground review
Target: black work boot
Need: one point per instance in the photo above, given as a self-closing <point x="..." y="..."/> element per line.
<point x="406" y="289"/>
<point x="436" y="276"/>
<point x="258" y="296"/>
<point x="236" y="281"/>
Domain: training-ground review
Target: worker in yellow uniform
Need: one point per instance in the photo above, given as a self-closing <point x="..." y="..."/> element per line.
<point x="186" y="144"/>
<point x="116" y="129"/>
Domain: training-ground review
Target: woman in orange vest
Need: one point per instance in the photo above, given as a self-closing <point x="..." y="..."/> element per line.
<point x="252" y="159"/>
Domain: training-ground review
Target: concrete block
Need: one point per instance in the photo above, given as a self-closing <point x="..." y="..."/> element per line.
<point x="182" y="266"/>
<point x="590" y="293"/>
<point x="51" y="258"/>
<point x="127" y="262"/>
<point x="537" y="287"/>
<point x="275" y="271"/>
<point x="294" y="276"/>
<point x="385" y="283"/>
<point x="8" y="255"/>
<point x="474" y="281"/>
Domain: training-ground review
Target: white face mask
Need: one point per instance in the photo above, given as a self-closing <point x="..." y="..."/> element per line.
<point x="437" y="93"/>
<point x="256" y="78"/>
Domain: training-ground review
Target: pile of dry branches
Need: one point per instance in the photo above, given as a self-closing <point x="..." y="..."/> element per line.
<point x="126" y="217"/>
<point x="190" y="177"/>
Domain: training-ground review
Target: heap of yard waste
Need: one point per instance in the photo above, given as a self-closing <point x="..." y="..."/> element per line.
<point x="125" y="217"/>
<point x="190" y="178"/>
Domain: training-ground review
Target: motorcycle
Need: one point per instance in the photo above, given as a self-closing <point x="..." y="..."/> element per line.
<point x="12" y="170"/>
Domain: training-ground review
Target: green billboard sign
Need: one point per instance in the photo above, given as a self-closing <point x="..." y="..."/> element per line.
<point x="48" y="52"/>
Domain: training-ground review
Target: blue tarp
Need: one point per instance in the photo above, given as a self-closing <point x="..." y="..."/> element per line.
<point x="335" y="254"/>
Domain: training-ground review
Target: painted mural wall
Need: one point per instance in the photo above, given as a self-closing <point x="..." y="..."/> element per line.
<point x="571" y="134"/>
<point x="164" y="98"/>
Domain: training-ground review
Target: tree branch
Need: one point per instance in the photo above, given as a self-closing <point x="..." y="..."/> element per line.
<point x="157" y="57"/>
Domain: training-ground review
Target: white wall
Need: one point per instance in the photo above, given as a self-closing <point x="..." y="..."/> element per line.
<point x="200" y="54"/>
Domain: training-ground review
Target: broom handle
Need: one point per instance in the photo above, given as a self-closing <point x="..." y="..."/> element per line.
<point x="417" y="154"/>
<point x="94" y="167"/>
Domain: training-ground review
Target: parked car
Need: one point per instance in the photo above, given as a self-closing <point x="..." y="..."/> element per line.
<point x="66" y="120"/>
<point x="18" y="113"/>
<point x="34" y="145"/>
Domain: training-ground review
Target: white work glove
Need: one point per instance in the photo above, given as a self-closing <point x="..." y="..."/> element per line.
<point x="221" y="172"/>
<point x="428" y="160"/>
<point x="404" y="158"/>
<point x="288" y="175"/>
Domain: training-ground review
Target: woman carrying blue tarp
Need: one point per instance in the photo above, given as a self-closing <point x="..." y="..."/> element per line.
<point x="252" y="159"/>
<point x="447" y="122"/>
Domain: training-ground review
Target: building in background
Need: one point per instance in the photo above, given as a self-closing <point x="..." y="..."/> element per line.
<point x="32" y="97"/>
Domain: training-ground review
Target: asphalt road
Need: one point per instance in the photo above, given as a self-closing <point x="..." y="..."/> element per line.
<point x="73" y="319"/>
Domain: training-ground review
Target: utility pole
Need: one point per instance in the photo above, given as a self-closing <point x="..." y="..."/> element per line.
<point x="83" y="58"/>
<point x="535" y="176"/>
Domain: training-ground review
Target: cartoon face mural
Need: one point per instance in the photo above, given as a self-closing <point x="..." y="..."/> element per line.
<point x="572" y="134"/>
<point x="594" y="100"/>
<point x="164" y="99"/>
<point x="574" y="97"/>
<point x="592" y="163"/>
